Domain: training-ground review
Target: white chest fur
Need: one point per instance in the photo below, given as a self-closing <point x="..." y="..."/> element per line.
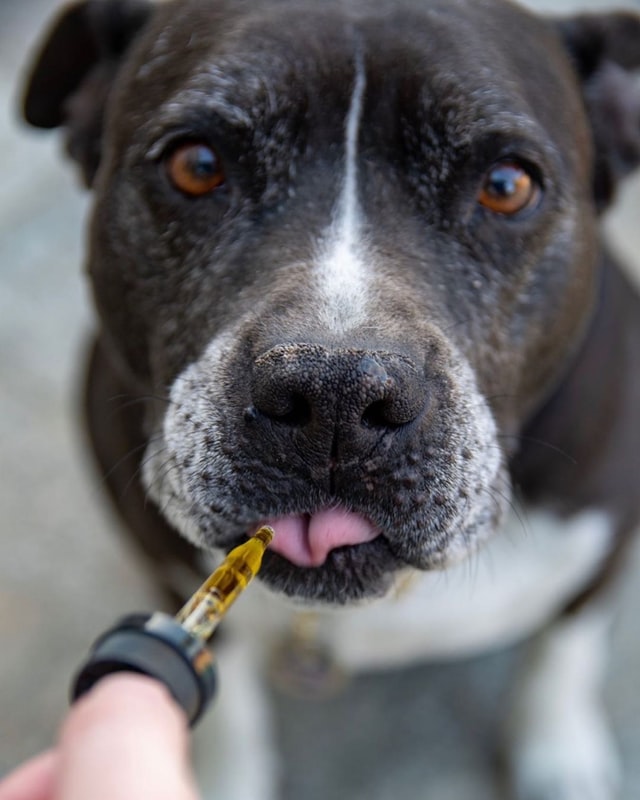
<point x="511" y="587"/>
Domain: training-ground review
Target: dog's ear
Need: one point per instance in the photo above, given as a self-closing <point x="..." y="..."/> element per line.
<point x="74" y="70"/>
<point x="605" y="49"/>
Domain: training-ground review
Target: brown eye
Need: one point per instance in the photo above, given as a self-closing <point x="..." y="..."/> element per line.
<point x="194" y="169"/>
<point x="508" y="188"/>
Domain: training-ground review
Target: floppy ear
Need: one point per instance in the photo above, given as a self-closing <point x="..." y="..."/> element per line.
<point x="605" y="49"/>
<point x="73" y="72"/>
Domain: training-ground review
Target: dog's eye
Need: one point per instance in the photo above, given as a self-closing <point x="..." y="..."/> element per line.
<point x="194" y="169"/>
<point x="508" y="189"/>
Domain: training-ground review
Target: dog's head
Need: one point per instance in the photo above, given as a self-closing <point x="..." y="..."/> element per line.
<point x="352" y="243"/>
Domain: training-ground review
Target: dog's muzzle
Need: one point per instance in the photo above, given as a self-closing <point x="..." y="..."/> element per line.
<point x="363" y="461"/>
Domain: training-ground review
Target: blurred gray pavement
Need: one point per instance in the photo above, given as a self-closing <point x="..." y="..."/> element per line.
<point x="66" y="572"/>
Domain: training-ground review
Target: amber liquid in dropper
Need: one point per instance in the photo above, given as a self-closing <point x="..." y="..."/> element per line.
<point x="203" y="612"/>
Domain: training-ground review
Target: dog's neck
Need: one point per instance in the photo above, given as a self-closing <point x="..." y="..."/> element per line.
<point x="577" y="449"/>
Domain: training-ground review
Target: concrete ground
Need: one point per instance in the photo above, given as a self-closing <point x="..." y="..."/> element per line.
<point x="65" y="573"/>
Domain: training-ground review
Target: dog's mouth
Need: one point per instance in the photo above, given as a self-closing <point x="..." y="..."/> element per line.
<point x="307" y="539"/>
<point x="332" y="555"/>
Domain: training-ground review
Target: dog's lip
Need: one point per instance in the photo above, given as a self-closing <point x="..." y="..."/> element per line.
<point x="307" y="539"/>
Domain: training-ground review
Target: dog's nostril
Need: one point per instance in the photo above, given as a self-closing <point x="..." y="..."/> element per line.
<point x="380" y="415"/>
<point x="297" y="415"/>
<point x="292" y="409"/>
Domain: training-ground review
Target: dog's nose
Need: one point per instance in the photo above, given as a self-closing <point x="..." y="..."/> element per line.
<point x="351" y="394"/>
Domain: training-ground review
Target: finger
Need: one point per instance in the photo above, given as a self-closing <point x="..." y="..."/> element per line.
<point x="33" y="780"/>
<point x="125" y="740"/>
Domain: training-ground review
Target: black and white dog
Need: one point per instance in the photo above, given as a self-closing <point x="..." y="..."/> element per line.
<point x="347" y="255"/>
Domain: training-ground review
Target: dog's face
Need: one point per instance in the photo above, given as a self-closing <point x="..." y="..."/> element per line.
<point x="352" y="245"/>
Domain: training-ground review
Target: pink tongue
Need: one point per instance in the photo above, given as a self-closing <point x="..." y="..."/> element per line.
<point x="307" y="540"/>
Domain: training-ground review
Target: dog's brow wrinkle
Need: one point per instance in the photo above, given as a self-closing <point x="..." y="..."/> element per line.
<point x="241" y="96"/>
<point x="212" y="102"/>
<point x="342" y="272"/>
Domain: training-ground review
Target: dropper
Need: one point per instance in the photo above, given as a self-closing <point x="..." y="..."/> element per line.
<point x="173" y="649"/>
<point x="203" y="612"/>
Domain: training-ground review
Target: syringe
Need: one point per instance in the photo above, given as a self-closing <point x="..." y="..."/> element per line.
<point x="173" y="649"/>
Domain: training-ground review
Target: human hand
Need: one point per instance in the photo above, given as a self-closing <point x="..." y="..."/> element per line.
<point x="124" y="740"/>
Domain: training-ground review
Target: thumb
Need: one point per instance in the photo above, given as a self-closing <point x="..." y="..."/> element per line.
<point x="125" y="740"/>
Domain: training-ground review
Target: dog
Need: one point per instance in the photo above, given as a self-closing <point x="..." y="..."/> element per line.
<point x="347" y="264"/>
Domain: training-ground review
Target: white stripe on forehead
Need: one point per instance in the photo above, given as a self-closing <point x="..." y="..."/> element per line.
<point x="341" y="263"/>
